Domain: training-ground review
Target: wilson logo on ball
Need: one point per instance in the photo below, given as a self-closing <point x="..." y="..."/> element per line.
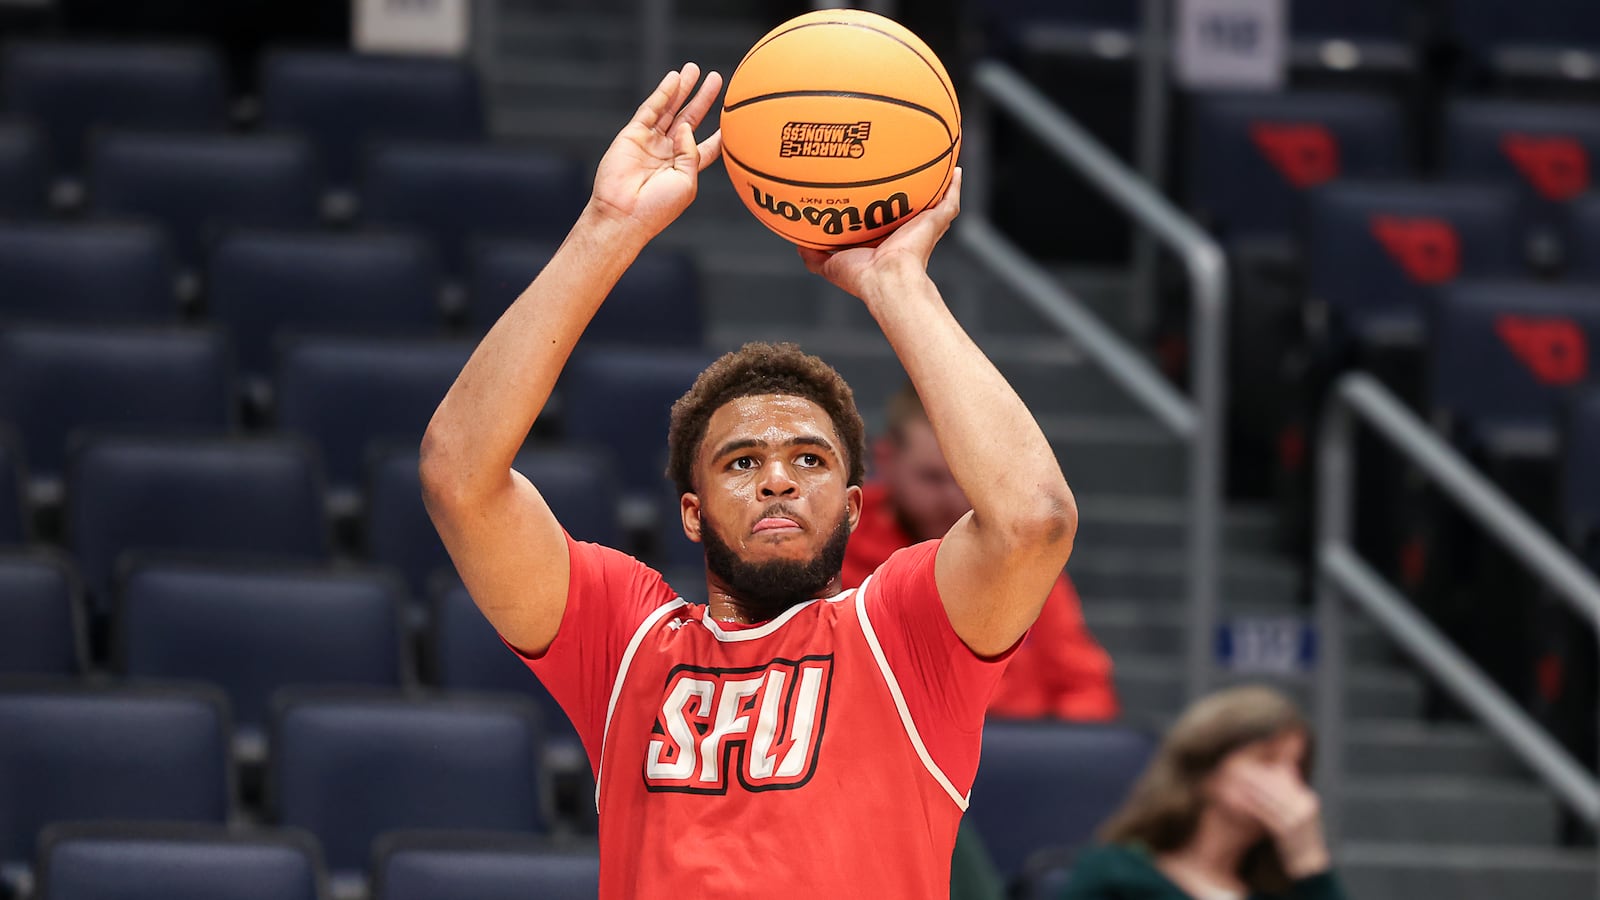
<point x="837" y="219"/>
<point x="824" y="139"/>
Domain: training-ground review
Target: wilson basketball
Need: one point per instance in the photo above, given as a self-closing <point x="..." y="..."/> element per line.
<point x="838" y="126"/>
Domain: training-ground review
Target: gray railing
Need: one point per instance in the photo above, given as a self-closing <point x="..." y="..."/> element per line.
<point x="1197" y="421"/>
<point x="1342" y="575"/>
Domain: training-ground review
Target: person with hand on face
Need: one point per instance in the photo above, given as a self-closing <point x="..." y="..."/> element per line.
<point x="789" y="739"/>
<point x="1060" y="671"/>
<point x="1223" y="812"/>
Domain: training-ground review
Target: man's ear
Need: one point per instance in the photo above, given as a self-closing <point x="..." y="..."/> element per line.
<point x="689" y="511"/>
<point x="852" y="505"/>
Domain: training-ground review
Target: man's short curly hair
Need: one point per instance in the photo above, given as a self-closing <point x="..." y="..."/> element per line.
<point x="762" y="368"/>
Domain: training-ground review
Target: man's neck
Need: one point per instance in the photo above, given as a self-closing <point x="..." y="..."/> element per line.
<point x="724" y="606"/>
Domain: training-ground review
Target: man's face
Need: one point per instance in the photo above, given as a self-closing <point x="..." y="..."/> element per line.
<point x="924" y="493"/>
<point x="773" y="505"/>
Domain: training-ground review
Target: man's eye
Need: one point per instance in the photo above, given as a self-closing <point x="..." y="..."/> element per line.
<point x="810" y="459"/>
<point x="744" y="462"/>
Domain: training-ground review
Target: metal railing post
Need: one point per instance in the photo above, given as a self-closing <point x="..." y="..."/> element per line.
<point x="1150" y="143"/>
<point x="1335" y="485"/>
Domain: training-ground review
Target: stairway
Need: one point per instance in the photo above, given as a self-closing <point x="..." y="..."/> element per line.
<point x="1429" y="810"/>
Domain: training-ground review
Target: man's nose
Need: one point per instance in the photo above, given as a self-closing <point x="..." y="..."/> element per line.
<point x="777" y="481"/>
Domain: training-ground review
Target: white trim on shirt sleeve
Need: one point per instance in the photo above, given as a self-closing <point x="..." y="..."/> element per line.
<point x="622" y="672"/>
<point x="900" y="700"/>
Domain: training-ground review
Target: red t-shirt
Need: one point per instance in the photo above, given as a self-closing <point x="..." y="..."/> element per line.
<point x="826" y="753"/>
<point x="1060" y="671"/>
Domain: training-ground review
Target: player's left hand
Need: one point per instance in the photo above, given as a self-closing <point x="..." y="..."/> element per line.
<point x="858" y="269"/>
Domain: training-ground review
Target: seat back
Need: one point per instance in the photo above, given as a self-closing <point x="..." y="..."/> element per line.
<point x="86" y="273"/>
<point x="57" y="380"/>
<point x="1547" y="150"/>
<point x="1583" y="246"/>
<point x="1378" y="251"/>
<point x="42" y="625"/>
<point x="248" y="496"/>
<point x="1252" y="157"/>
<point x="348" y="768"/>
<point x="197" y="187"/>
<point x="74" y="89"/>
<point x="455" y="192"/>
<point x="656" y="303"/>
<point x="344" y="101"/>
<point x="143" y="861"/>
<point x="73" y="753"/>
<point x="621" y="399"/>
<point x="252" y="630"/>
<point x="1050" y="784"/>
<point x="1505" y="355"/>
<point x="348" y="394"/>
<point x="422" y="866"/>
<point x="266" y="285"/>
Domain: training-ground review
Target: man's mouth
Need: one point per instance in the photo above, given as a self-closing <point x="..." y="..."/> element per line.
<point x="775" y="524"/>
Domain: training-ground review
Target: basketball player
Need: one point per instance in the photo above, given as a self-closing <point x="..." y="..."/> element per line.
<point x="788" y="740"/>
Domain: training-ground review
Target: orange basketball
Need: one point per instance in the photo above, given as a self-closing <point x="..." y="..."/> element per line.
<point x="838" y="126"/>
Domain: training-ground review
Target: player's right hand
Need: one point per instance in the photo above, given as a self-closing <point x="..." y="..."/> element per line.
<point x="649" y="175"/>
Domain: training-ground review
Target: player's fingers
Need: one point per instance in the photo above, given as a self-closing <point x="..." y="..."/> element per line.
<point x="814" y="259"/>
<point x="688" y="76"/>
<point x="685" y="154"/>
<point x="710" y="149"/>
<point x="696" y="110"/>
<point x="658" y="105"/>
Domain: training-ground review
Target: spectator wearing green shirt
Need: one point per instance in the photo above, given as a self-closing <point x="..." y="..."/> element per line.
<point x="1223" y="812"/>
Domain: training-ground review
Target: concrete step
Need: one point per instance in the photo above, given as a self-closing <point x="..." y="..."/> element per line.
<point x="1128" y="572"/>
<point x="1410" y="748"/>
<point x="1153" y="689"/>
<point x="1120" y="521"/>
<point x="1143" y="630"/>
<point x="1129" y="454"/>
<point x="1387" y="870"/>
<point x="1443" y="810"/>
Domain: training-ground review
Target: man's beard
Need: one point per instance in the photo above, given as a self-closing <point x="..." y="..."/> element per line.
<point x="766" y="589"/>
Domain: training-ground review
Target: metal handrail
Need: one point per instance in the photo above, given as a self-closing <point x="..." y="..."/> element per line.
<point x="1341" y="574"/>
<point x="1198" y="421"/>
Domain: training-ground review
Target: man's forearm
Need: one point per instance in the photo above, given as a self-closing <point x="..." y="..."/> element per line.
<point x="994" y="447"/>
<point x="485" y="417"/>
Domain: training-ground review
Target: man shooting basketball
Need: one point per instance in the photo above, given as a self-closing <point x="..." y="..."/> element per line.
<point x="787" y="739"/>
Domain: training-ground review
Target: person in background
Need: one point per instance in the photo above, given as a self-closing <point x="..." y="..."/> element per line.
<point x="1223" y="812"/>
<point x="1060" y="671"/>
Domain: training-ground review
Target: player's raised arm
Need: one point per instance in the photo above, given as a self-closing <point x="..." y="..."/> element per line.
<point x="504" y="541"/>
<point x="997" y="564"/>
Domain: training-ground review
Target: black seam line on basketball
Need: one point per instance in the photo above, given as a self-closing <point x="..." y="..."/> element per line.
<point x="954" y="104"/>
<point x="838" y="184"/>
<point x="854" y="95"/>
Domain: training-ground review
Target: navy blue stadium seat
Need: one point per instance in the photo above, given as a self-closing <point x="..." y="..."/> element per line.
<point x="621" y="399"/>
<point x="22" y="171"/>
<point x="350" y="767"/>
<point x="15" y="527"/>
<point x="199" y="186"/>
<point x="42" y="624"/>
<point x="1378" y="251"/>
<point x="455" y="192"/>
<point x="1498" y="33"/>
<point x="424" y="866"/>
<point x="254" y="629"/>
<point x="75" y="753"/>
<point x="240" y="496"/>
<point x="263" y="285"/>
<point x="1581" y="473"/>
<point x="1251" y="157"/>
<point x="469" y="656"/>
<point x="57" y="381"/>
<point x="348" y="394"/>
<point x="165" y="861"/>
<point x="86" y="273"/>
<point x="1548" y="150"/>
<point x="74" y="89"/>
<point x="656" y="303"/>
<point x="1050" y="784"/>
<point x="1583" y="248"/>
<point x="578" y="484"/>
<point x="344" y="101"/>
<point x="1505" y="355"/>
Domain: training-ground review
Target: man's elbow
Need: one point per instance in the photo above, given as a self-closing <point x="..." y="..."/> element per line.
<point x="442" y="485"/>
<point x="1049" y="524"/>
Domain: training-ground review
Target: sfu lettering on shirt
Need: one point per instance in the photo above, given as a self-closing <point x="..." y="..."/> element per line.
<point x="827" y="752"/>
